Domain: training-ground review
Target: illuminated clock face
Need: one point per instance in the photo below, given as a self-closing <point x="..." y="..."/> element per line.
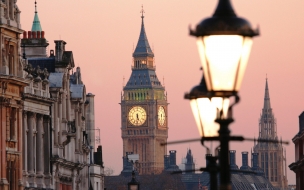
<point x="161" y="116"/>
<point x="137" y="116"/>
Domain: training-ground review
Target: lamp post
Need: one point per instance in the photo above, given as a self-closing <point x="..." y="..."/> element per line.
<point x="224" y="43"/>
<point x="133" y="184"/>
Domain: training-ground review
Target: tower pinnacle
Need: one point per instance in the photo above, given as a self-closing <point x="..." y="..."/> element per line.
<point x="35" y="6"/>
<point x="266" y="97"/>
<point x="142" y="12"/>
<point x="143" y="48"/>
<point x="36" y="23"/>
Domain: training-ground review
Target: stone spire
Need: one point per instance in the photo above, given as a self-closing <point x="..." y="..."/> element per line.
<point x="143" y="48"/>
<point x="268" y="127"/>
<point x="36" y="23"/>
<point x="266" y="97"/>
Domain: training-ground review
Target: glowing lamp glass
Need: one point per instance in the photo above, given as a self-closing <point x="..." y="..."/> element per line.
<point x="221" y="104"/>
<point x="204" y="112"/>
<point x="224" y="59"/>
<point x="133" y="187"/>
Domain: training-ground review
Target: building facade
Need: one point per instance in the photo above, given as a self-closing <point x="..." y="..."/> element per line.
<point x="298" y="165"/>
<point x="59" y="119"/>
<point x="272" y="156"/>
<point x="12" y="83"/>
<point x="144" y="110"/>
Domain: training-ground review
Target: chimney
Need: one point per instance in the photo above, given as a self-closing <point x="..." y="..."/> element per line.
<point x="38" y="34"/>
<point x="166" y="161"/>
<point x="59" y="49"/>
<point x="232" y="160"/>
<point x="245" y="165"/>
<point x="301" y="122"/>
<point x="29" y="34"/>
<point x="172" y="157"/>
<point x="24" y="35"/>
<point x="255" y="160"/>
<point x="244" y="158"/>
<point x="34" y="34"/>
<point x="42" y="34"/>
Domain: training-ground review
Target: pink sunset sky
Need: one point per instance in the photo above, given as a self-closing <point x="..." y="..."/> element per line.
<point x="101" y="34"/>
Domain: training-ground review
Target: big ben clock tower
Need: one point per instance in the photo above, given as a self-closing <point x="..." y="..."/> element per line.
<point x="144" y="110"/>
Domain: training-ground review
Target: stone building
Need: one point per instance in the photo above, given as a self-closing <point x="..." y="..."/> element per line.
<point x="36" y="130"/>
<point x="297" y="165"/>
<point x="61" y="153"/>
<point x="144" y="110"/>
<point x="272" y="156"/>
<point x="12" y="85"/>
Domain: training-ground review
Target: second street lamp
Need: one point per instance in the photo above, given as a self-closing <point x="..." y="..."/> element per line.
<point x="204" y="110"/>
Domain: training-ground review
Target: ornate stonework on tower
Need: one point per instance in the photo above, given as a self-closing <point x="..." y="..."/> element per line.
<point x="272" y="157"/>
<point x="144" y="111"/>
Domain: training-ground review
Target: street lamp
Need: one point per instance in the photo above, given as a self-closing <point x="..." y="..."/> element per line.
<point x="204" y="110"/>
<point x="224" y="43"/>
<point x="133" y="184"/>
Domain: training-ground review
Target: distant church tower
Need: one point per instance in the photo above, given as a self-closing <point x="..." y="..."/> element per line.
<point x="144" y="111"/>
<point x="189" y="165"/>
<point x="272" y="157"/>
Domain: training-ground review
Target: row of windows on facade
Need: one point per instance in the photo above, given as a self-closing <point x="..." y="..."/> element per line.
<point x="273" y="166"/>
<point x="141" y="83"/>
<point x="268" y="116"/>
<point x="138" y="132"/>
<point x="142" y="96"/>
<point x="142" y="63"/>
<point x="144" y="76"/>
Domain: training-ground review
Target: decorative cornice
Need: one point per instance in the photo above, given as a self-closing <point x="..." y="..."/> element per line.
<point x="36" y="97"/>
<point x="67" y="164"/>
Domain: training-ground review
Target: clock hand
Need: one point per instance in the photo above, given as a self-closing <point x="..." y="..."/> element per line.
<point x="137" y="116"/>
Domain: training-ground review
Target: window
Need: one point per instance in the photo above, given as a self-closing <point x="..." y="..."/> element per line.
<point x="13" y="123"/>
<point x="11" y="59"/>
<point x="275" y="167"/>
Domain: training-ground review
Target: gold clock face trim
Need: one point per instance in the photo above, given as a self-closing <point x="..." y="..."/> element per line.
<point x="161" y="116"/>
<point x="137" y="116"/>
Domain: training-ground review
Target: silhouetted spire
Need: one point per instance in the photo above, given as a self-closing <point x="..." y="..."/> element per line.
<point x="266" y="97"/>
<point x="36" y="23"/>
<point x="143" y="48"/>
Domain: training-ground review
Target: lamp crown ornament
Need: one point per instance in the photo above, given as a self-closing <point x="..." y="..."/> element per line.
<point x="224" y="22"/>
